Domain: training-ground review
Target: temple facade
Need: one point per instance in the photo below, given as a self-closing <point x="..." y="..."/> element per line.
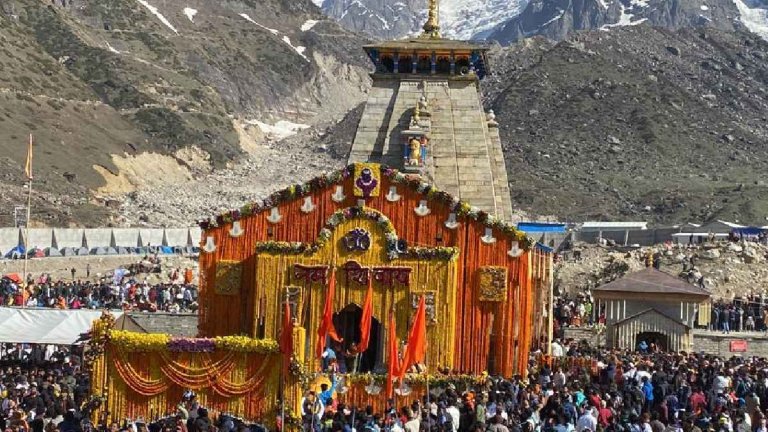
<point x="484" y="281"/>
<point x="424" y="114"/>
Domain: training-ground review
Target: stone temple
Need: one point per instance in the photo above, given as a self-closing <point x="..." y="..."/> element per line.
<point x="424" y="115"/>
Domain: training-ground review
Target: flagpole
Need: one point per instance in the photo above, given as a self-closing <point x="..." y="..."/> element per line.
<point x="29" y="215"/>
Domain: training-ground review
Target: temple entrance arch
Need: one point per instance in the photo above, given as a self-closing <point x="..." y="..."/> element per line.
<point x="660" y="340"/>
<point x="347" y="324"/>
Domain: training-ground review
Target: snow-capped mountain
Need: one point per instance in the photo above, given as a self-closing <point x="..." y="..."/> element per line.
<point x="459" y="19"/>
<point x="507" y="21"/>
<point x="556" y="19"/>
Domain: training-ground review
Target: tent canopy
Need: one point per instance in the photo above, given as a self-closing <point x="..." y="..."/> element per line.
<point x="46" y="326"/>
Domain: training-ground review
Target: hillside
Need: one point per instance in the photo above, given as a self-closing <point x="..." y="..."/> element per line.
<point x="121" y="94"/>
<point x="637" y="123"/>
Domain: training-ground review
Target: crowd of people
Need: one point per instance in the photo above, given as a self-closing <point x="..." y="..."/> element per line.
<point x="43" y="388"/>
<point x="121" y="290"/>
<point x="584" y="391"/>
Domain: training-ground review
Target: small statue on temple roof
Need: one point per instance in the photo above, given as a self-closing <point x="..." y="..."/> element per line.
<point x="423" y="107"/>
<point x="414" y="154"/>
<point x="415" y="118"/>
<point x="491" y="119"/>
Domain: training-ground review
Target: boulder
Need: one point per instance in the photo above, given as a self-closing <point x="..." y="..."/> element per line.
<point x="750" y="256"/>
<point x="710" y="254"/>
<point x="733" y="247"/>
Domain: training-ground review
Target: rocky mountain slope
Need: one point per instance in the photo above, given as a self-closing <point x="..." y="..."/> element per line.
<point x="394" y="19"/>
<point x="637" y="123"/>
<point x="555" y="19"/>
<point x="121" y="94"/>
<point x="728" y="269"/>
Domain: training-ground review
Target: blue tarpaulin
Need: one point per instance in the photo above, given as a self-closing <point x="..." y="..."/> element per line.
<point x="544" y="248"/>
<point x="749" y="231"/>
<point x="541" y="227"/>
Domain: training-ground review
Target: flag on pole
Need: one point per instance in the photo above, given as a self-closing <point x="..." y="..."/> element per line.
<point x="417" y="340"/>
<point x="326" y="324"/>
<point x="28" y="165"/>
<point x="393" y="365"/>
<point x="365" y="322"/>
<point x="286" y="338"/>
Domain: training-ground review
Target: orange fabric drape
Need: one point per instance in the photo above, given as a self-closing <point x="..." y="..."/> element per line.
<point x="393" y="361"/>
<point x="366" y="320"/>
<point x="417" y="340"/>
<point x="326" y="325"/>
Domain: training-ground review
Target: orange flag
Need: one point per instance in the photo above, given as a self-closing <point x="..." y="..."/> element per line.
<point x="286" y="339"/>
<point x="326" y="324"/>
<point x="417" y="340"/>
<point x="365" y="322"/>
<point x="28" y="165"/>
<point x="393" y="367"/>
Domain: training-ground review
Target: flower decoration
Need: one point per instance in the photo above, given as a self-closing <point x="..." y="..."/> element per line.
<point x="245" y="344"/>
<point x="138" y="342"/>
<point x="415" y="183"/>
<point x="191" y="345"/>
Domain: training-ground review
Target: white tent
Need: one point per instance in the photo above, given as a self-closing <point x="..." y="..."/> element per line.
<point x="176" y="237"/>
<point x="98" y="237"/>
<point x="195" y="236"/>
<point x="9" y="239"/>
<point x="151" y="237"/>
<point x="39" y="238"/>
<point x="125" y="237"/>
<point x="46" y="326"/>
<point x="68" y="238"/>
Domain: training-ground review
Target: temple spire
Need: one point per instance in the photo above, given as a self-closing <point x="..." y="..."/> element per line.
<point x="432" y="26"/>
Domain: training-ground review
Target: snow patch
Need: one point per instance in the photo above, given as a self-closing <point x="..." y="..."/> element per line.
<point x="248" y="18"/>
<point x="280" y="130"/>
<point x="704" y="7"/>
<point x="308" y="24"/>
<point x="465" y="19"/>
<point x="190" y="13"/>
<point x="159" y="16"/>
<point x="298" y="49"/>
<point x="754" y="17"/>
<point x="625" y="19"/>
<point x="560" y="14"/>
<point x="112" y="49"/>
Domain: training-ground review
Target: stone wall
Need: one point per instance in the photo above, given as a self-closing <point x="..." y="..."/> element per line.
<point x="172" y="324"/>
<point x="716" y="343"/>
<point x="708" y="342"/>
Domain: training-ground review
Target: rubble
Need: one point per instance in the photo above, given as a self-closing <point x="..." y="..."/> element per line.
<point x="728" y="269"/>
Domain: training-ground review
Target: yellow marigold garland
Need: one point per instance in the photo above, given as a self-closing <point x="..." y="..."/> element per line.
<point x="246" y="344"/>
<point x="138" y="342"/>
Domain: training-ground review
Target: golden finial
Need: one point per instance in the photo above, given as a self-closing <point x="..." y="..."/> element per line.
<point x="432" y="26"/>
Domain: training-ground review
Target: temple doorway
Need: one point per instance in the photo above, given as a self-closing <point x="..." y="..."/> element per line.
<point x="654" y="340"/>
<point x="347" y="323"/>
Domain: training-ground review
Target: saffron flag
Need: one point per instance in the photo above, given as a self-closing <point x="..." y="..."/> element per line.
<point x="417" y="340"/>
<point x="28" y="165"/>
<point x="326" y="324"/>
<point x="365" y="322"/>
<point x="393" y="367"/>
<point x="286" y="338"/>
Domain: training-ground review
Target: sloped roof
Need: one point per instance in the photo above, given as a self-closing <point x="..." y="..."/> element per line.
<point x="653" y="311"/>
<point x="652" y="281"/>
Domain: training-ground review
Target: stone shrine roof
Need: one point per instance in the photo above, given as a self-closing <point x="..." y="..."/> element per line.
<point x="425" y="44"/>
<point x="652" y="281"/>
